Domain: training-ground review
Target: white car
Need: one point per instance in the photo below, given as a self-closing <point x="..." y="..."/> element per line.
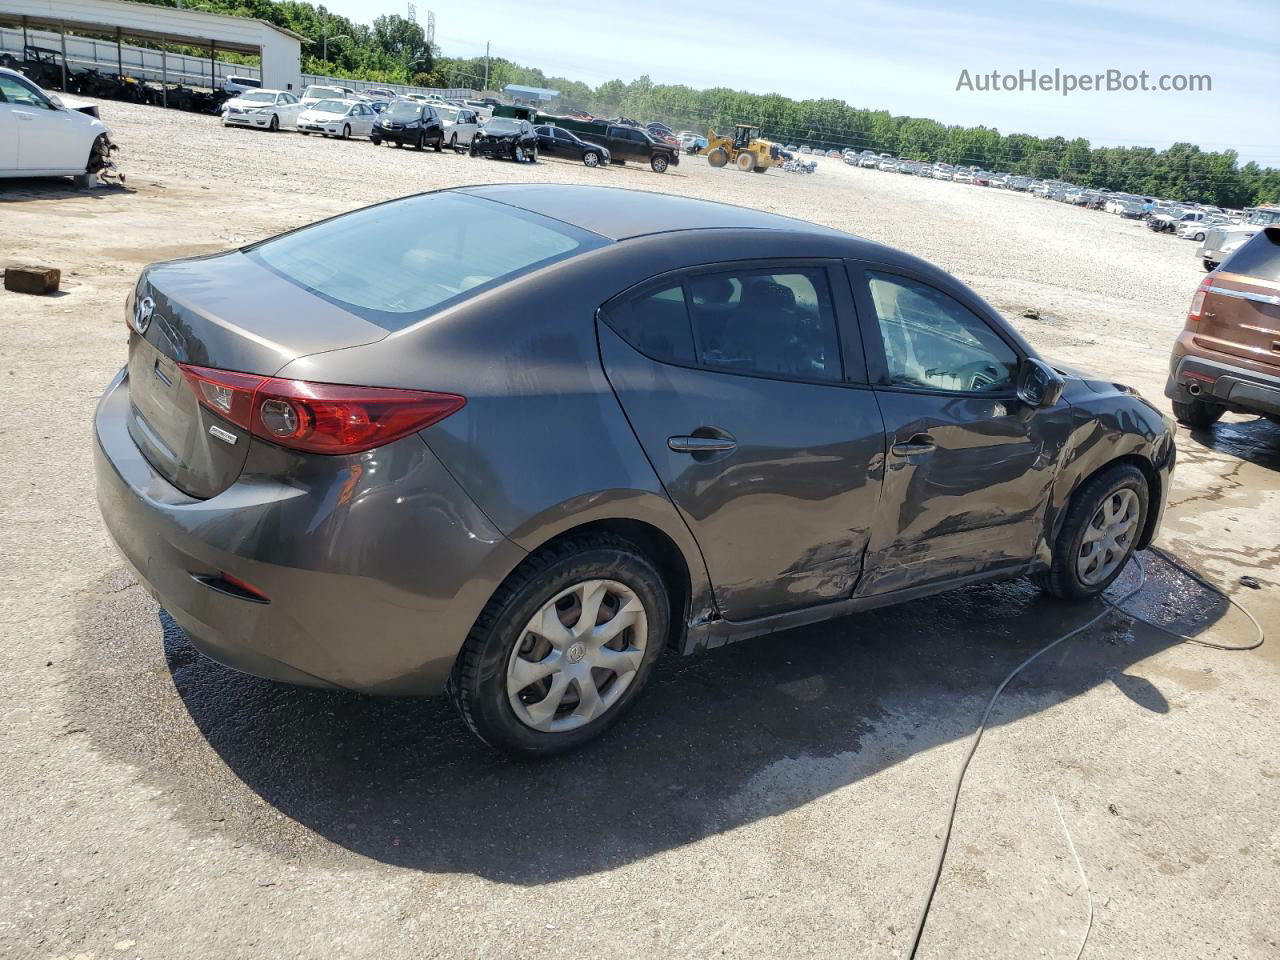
<point x="338" y="118"/>
<point x="460" y="125"/>
<point x="270" y="109"/>
<point x="317" y="92"/>
<point x="39" y="137"/>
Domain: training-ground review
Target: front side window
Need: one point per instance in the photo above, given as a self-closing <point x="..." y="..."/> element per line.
<point x="766" y="322"/>
<point x="16" y="91"/>
<point x="932" y="342"/>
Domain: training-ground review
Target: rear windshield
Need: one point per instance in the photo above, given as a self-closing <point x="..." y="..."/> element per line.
<point x="397" y="262"/>
<point x="1259" y="257"/>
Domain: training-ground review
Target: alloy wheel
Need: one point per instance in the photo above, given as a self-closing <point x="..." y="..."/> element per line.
<point x="1109" y="537"/>
<point x="577" y="656"/>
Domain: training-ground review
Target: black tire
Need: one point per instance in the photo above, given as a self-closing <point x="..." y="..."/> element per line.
<point x="1208" y="265"/>
<point x="1062" y="579"/>
<point x="376" y="141"/>
<point x="517" y="153"/>
<point x="532" y="155"/>
<point x="421" y="142"/>
<point x="274" y="125"/>
<point x="453" y="142"/>
<point x="471" y="150"/>
<point x="440" y="143"/>
<point x="658" y="163"/>
<point x="477" y="685"/>
<point x="304" y="133"/>
<point x="591" y="159"/>
<point x="1197" y="414"/>
<point x="398" y="144"/>
<point x="346" y="131"/>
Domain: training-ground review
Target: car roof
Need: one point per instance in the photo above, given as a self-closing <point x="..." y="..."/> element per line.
<point x="621" y="214"/>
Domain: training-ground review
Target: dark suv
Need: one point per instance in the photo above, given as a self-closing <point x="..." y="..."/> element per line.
<point x="1228" y="355"/>
<point x="409" y="123"/>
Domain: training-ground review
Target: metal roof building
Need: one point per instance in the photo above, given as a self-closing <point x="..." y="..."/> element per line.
<point x="528" y="94"/>
<point x="280" y="49"/>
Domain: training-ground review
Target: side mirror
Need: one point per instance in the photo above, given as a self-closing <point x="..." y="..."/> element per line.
<point x="55" y="100"/>
<point x="1039" y="385"/>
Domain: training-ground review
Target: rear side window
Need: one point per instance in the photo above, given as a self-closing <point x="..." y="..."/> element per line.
<point x="1259" y="257"/>
<point x="394" y="263"/>
<point x="771" y="323"/>
<point x="766" y="322"/>
<point x="656" y="324"/>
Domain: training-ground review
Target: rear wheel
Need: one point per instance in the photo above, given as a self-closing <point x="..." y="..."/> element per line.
<point x="1197" y="414"/>
<point x="1099" y="533"/>
<point x="563" y="647"/>
<point x="746" y="161"/>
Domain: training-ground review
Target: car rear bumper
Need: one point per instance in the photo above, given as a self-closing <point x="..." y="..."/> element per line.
<point x="375" y="566"/>
<point x="1193" y="377"/>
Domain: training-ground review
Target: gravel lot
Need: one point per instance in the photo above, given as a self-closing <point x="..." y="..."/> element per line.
<point x="779" y="798"/>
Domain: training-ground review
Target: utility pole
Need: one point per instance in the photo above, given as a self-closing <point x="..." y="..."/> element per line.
<point x="486" y="66"/>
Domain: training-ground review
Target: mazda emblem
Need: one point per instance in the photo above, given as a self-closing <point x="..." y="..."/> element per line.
<point x="142" y="315"/>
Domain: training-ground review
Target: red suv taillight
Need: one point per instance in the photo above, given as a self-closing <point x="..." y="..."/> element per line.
<point x="1197" y="304"/>
<point x="327" y="418"/>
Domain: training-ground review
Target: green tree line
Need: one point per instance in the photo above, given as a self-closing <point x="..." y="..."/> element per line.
<point x="395" y="50"/>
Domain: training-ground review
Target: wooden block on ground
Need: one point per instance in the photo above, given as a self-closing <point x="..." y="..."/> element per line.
<point x="37" y="280"/>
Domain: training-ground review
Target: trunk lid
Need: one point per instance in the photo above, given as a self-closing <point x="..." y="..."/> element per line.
<point x="226" y="312"/>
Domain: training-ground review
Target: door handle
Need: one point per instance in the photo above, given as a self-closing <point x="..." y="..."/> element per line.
<point x="920" y="443"/>
<point x="701" y="444"/>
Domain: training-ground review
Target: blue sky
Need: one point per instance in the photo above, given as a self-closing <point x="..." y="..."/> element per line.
<point x="907" y="57"/>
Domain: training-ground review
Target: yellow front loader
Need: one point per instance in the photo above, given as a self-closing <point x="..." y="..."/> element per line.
<point x="745" y="149"/>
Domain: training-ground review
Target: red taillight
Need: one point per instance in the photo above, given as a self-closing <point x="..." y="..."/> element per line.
<point x="324" y="418"/>
<point x="1197" y="304"/>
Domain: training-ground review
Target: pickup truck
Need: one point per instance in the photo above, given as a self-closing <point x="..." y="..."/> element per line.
<point x="623" y="142"/>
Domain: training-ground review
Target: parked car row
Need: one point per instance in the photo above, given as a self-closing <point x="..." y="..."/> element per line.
<point x="417" y="121"/>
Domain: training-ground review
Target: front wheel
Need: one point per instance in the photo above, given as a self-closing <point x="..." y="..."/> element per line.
<point x="591" y="159"/>
<point x="563" y="647"/>
<point x="1208" y="265"/>
<point x="274" y="126"/>
<point x="453" y="142"/>
<point x="346" y="131"/>
<point x="1104" y="520"/>
<point x="421" y="142"/>
<point x="1197" y="414"/>
<point x="376" y="141"/>
<point x="517" y="153"/>
<point x="439" y="143"/>
<point x="659" y="164"/>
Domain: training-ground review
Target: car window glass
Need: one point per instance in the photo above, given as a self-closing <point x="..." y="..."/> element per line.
<point x="15" y="91"/>
<point x="771" y="322"/>
<point x="655" y="323"/>
<point x="1259" y="258"/>
<point x="932" y="341"/>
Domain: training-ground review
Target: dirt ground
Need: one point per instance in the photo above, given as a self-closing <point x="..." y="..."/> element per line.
<point x="778" y="798"/>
